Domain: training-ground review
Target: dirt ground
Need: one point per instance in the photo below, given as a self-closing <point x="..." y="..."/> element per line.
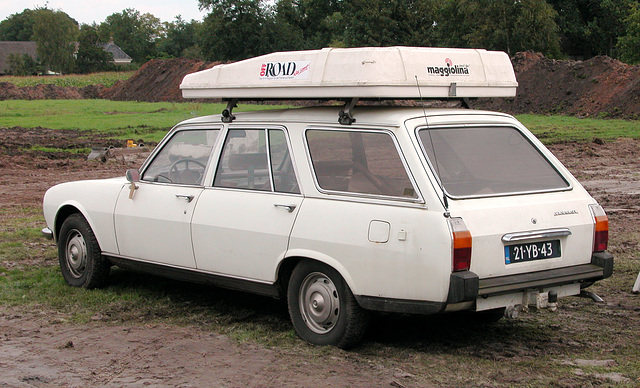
<point x="42" y="349"/>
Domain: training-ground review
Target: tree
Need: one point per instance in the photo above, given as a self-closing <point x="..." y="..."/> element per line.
<point x="91" y="56"/>
<point x="235" y="29"/>
<point x="133" y="32"/>
<point x="629" y="44"/>
<point x="310" y="24"/>
<point x="591" y="27"/>
<point x="55" y="34"/>
<point x="506" y="25"/>
<point x="23" y="64"/>
<point x="180" y="39"/>
<point x="389" y="22"/>
<point x="18" y="27"/>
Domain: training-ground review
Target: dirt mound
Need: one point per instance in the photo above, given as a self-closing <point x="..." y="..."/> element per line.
<point x="600" y="86"/>
<point x="157" y="80"/>
<point x="39" y="92"/>
<point x="9" y="91"/>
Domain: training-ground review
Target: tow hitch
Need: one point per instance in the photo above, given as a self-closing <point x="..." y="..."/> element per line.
<point x="544" y="300"/>
<point x="591" y="295"/>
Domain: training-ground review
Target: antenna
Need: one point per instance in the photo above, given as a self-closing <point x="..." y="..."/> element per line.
<point x="435" y="155"/>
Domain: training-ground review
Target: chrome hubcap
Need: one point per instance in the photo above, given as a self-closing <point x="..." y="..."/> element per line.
<point x="319" y="303"/>
<point x="76" y="254"/>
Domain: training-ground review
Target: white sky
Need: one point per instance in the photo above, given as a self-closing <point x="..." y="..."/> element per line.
<point x="89" y="11"/>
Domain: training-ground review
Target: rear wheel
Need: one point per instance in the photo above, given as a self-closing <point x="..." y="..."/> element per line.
<point x="79" y="254"/>
<point x="322" y="308"/>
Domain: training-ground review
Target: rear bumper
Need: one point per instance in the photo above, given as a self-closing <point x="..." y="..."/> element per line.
<point x="466" y="286"/>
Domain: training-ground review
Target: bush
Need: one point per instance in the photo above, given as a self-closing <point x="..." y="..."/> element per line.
<point x="23" y="64"/>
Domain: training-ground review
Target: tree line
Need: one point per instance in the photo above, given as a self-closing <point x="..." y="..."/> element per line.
<point x="238" y="29"/>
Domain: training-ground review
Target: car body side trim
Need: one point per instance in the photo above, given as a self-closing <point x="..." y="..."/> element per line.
<point x="189" y="275"/>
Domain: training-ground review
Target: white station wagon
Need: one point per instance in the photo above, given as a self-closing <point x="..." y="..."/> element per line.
<point x="349" y="209"/>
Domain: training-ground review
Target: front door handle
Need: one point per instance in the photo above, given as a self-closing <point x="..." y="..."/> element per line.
<point x="189" y="198"/>
<point x="290" y="208"/>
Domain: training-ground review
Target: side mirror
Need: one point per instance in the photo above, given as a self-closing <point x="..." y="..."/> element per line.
<point x="133" y="176"/>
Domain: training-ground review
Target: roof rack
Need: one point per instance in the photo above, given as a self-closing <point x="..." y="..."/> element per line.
<point x="358" y="73"/>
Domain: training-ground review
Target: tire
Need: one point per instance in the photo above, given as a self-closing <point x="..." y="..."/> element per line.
<point x="79" y="254"/>
<point x="322" y="308"/>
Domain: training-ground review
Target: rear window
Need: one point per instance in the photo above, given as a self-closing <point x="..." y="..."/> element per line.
<point x="488" y="161"/>
<point x="359" y="162"/>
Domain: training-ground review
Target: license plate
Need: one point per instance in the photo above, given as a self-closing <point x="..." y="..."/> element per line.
<point x="531" y="251"/>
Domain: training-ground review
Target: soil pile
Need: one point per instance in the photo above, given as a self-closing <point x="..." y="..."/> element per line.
<point x="600" y="86"/>
<point x="9" y="91"/>
<point x="157" y="80"/>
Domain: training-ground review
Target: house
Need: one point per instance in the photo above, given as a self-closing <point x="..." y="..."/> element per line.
<point x="30" y="48"/>
<point x="119" y="56"/>
<point x="20" y="48"/>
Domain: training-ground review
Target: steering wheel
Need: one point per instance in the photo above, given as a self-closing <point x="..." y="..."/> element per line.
<point x="194" y="176"/>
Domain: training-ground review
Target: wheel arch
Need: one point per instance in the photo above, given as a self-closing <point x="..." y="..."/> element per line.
<point x="64" y="212"/>
<point x="286" y="266"/>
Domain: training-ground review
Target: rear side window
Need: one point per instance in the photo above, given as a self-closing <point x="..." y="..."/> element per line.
<point x="488" y="161"/>
<point x="359" y="162"/>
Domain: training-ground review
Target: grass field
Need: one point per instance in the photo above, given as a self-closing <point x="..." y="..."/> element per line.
<point x="150" y="121"/>
<point x="124" y="119"/>
<point x="106" y="79"/>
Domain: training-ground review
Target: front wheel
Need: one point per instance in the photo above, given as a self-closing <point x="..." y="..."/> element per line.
<point x="79" y="254"/>
<point x="322" y="308"/>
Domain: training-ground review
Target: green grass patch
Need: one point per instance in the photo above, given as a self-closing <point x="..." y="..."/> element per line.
<point x="106" y="79"/>
<point x="558" y="129"/>
<point x="124" y="119"/>
<point x="67" y="150"/>
<point x="150" y="121"/>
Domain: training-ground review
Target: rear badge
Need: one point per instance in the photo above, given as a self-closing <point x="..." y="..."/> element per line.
<point x="565" y="213"/>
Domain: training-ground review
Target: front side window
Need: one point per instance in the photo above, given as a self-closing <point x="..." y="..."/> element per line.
<point x="183" y="159"/>
<point x="246" y="164"/>
<point x="359" y="162"/>
<point x="488" y="161"/>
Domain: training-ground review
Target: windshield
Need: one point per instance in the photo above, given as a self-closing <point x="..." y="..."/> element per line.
<point x="488" y="161"/>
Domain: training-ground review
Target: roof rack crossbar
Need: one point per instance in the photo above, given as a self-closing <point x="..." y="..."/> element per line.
<point x="345" y="117"/>
<point x="227" y="113"/>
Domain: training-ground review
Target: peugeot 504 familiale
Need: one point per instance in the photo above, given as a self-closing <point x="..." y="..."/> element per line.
<point x="343" y="210"/>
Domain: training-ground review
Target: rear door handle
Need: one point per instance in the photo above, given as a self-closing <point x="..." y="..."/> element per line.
<point x="290" y="208"/>
<point x="189" y="198"/>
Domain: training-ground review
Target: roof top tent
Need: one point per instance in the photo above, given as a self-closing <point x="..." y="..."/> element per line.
<point x="358" y="73"/>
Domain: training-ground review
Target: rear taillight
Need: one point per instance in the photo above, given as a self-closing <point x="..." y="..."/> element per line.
<point x="461" y="241"/>
<point x="601" y="230"/>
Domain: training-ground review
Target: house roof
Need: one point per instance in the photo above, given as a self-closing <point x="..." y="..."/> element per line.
<point x="8" y="48"/>
<point x="119" y="56"/>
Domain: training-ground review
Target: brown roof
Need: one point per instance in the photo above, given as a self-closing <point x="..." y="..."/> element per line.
<point x="8" y="48"/>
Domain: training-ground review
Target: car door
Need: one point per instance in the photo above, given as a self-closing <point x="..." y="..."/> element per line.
<point x="153" y="224"/>
<point x="242" y="224"/>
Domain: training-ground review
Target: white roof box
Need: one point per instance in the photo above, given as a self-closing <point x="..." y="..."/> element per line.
<point x="371" y="72"/>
